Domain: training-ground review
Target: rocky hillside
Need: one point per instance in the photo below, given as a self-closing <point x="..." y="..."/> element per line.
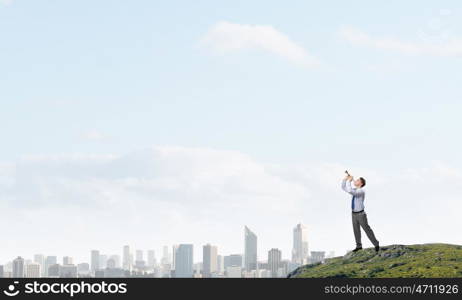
<point x="428" y="260"/>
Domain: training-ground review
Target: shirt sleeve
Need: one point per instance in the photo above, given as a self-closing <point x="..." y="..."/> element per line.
<point x="346" y="186"/>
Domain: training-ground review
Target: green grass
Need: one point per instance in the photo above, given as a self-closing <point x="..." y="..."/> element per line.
<point x="428" y="260"/>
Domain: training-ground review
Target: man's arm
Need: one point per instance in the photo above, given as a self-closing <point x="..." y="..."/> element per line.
<point x="346" y="186"/>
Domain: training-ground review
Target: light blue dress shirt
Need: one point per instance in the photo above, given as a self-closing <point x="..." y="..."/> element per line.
<point x="357" y="193"/>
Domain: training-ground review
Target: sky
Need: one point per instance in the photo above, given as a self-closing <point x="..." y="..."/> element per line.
<point x="154" y="123"/>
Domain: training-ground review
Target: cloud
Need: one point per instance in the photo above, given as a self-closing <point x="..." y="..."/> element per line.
<point x="451" y="47"/>
<point x="226" y="37"/>
<point x="168" y="194"/>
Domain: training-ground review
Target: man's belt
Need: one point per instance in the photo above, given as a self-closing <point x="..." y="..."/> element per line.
<point x="357" y="212"/>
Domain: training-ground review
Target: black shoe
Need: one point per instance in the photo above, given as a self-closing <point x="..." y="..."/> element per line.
<point x="357" y="249"/>
<point x="377" y="248"/>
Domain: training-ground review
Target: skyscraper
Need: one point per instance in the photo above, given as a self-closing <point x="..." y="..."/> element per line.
<point x="233" y="260"/>
<point x="40" y="259"/>
<point x="209" y="260"/>
<point x="165" y="256"/>
<point x="151" y="258"/>
<point x="220" y="264"/>
<point x="102" y="261"/>
<point x="139" y="255"/>
<point x="94" y="260"/>
<point x="300" y="245"/>
<point x="18" y="267"/>
<point x="250" y="251"/>
<point x="116" y="259"/>
<point x="49" y="261"/>
<point x="126" y="264"/>
<point x="184" y="261"/>
<point x="33" y="270"/>
<point x="67" y="260"/>
<point x="274" y="261"/>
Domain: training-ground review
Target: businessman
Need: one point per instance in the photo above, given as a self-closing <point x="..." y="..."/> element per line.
<point x="359" y="216"/>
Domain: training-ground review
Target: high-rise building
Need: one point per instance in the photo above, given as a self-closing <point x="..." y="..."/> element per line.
<point x="274" y="261"/>
<point x="33" y="270"/>
<point x="234" y="272"/>
<point x="116" y="259"/>
<point x="233" y="260"/>
<point x="111" y="264"/>
<point x="174" y="248"/>
<point x="83" y="269"/>
<point x="40" y="259"/>
<point x="250" y="253"/>
<point x="102" y="261"/>
<point x="67" y="260"/>
<point x="18" y="268"/>
<point x="151" y="258"/>
<point x="126" y="263"/>
<point x="209" y="260"/>
<point x="165" y="256"/>
<point x="184" y="261"/>
<point x="53" y="271"/>
<point x="220" y="264"/>
<point x="2" y="271"/>
<point x="50" y="261"/>
<point x="139" y="255"/>
<point x="95" y="260"/>
<point x="300" y="245"/>
<point x="68" y="271"/>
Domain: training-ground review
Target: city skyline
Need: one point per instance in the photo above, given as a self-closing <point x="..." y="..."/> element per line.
<point x="126" y="255"/>
<point x="132" y="262"/>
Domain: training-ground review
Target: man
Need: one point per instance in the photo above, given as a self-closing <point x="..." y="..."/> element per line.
<point x="359" y="217"/>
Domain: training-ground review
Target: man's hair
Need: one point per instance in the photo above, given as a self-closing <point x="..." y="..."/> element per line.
<point x="363" y="181"/>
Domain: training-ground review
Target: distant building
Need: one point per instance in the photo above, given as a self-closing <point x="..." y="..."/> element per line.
<point x="83" y="270"/>
<point x="95" y="260"/>
<point x="53" y="271"/>
<point x="165" y="256"/>
<point x="274" y="261"/>
<point x="100" y="274"/>
<point x="102" y="261"/>
<point x="234" y="272"/>
<point x="317" y="256"/>
<point x="33" y="270"/>
<point x="250" y="254"/>
<point x="233" y="260"/>
<point x="300" y="245"/>
<point x="151" y="258"/>
<point x="50" y="261"/>
<point x="184" y="261"/>
<point x="126" y="265"/>
<point x="111" y="264"/>
<point x="209" y="259"/>
<point x="67" y="260"/>
<point x="40" y="259"/>
<point x="68" y="271"/>
<point x="116" y="259"/>
<point x="220" y="264"/>
<point x="114" y="273"/>
<point x="2" y="272"/>
<point x="18" y="268"/>
<point x="139" y="255"/>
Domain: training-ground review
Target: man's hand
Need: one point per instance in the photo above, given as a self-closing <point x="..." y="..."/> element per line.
<point x="349" y="178"/>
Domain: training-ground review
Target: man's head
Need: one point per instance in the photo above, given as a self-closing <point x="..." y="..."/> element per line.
<point x="360" y="182"/>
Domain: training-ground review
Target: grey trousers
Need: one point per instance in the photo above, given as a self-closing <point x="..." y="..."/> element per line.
<point x="360" y="220"/>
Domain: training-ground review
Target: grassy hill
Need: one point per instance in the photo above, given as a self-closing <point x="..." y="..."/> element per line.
<point x="428" y="260"/>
